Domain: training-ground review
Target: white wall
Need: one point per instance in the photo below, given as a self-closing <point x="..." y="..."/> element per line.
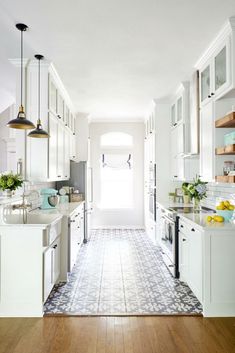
<point x="7" y="141"/>
<point x="122" y="217"/>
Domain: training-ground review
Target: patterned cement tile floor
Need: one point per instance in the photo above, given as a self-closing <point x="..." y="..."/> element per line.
<point x="121" y="272"/>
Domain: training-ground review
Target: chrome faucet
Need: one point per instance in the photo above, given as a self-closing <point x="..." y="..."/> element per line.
<point x="25" y="205"/>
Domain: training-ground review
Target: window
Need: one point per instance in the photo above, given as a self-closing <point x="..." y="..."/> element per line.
<point x="116" y="139"/>
<point x="116" y="168"/>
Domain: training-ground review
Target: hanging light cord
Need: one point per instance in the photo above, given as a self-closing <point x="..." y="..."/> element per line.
<point x="21" y="71"/>
<point x="39" y="89"/>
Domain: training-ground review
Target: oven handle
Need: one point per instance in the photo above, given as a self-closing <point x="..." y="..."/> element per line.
<point x="168" y="219"/>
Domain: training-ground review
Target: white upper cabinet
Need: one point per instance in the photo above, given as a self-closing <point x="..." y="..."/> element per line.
<point x="52" y="96"/>
<point x="52" y="163"/>
<point x="215" y="75"/>
<point x="207" y="151"/>
<point x="180" y="105"/>
<point x="60" y="106"/>
<point x="217" y="64"/>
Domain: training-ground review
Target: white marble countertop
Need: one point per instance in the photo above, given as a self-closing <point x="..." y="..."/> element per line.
<point x="14" y="218"/>
<point x="65" y="209"/>
<point x="199" y="219"/>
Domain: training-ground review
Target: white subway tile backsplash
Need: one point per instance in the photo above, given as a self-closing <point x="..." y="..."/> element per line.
<point x="218" y="190"/>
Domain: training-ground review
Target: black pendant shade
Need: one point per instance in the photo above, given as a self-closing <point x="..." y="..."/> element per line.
<point x="21" y="122"/>
<point x="39" y="132"/>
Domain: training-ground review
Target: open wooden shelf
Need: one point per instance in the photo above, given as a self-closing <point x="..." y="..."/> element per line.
<point x="225" y="178"/>
<point x="229" y="149"/>
<point x="227" y="121"/>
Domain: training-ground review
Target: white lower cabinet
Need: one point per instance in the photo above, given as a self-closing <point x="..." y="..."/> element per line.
<point x="195" y="263"/>
<point x="76" y="236"/>
<point x="151" y="230"/>
<point x="51" y="265"/>
<point x="183" y="257"/>
<point x="190" y="257"/>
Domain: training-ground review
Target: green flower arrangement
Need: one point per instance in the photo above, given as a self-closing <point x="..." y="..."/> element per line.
<point x="196" y="190"/>
<point x="10" y="181"/>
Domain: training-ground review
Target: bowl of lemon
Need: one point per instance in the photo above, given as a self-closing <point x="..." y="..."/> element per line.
<point x="225" y="209"/>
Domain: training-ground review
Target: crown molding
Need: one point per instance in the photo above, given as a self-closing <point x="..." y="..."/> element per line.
<point x="55" y="75"/>
<point x="227" y="29"/>
<point x="17" y="62"/>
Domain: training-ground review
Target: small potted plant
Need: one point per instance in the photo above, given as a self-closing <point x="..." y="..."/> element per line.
<point x="9" y="182"/>
<point x="186" y="192"/>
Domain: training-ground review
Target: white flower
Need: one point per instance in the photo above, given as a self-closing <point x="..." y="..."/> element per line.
<point x="201" y="189"/>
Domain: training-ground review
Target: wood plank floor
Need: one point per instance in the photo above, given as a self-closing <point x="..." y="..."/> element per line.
<point x="117" y="335"/>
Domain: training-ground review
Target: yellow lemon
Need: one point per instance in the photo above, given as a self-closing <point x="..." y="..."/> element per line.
<point x="226" y="203"/>
<point x="219" y="207"/>
<point x="231" y="207"/>
<point x="209" y="218"/>
<point x="219" y="218"/>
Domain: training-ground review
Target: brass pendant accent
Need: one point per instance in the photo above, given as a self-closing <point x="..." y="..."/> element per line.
<point x="21" y="122"/>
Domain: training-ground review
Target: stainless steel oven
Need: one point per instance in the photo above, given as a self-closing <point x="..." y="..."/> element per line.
<point x="169" y="241"/>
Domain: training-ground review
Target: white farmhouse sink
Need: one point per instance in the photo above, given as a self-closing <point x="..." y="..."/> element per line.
<point x="29" y="219"/>
<point x="50" y="224"/>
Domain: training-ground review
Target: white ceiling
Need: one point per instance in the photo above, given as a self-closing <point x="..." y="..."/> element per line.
<point x="113" y="56"/>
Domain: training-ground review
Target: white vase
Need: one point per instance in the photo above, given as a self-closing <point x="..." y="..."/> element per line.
<point x="7" y="193"/>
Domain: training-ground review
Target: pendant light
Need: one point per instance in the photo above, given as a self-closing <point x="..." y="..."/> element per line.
<point x="39" y="132"/>
<point x="21" y="122"/>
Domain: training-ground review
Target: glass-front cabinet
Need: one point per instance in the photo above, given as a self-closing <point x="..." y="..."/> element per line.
<point x="179" y="109"/>
<point x="205" y="76"/>
<point x="220" y="69"/>
<point x="173" y="117"/>
<point x="215" y="74"/>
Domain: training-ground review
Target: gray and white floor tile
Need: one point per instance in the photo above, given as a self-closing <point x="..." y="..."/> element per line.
<point x="121" y="272"/>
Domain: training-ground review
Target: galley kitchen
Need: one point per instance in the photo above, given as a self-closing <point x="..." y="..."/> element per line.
<point x="116" y="213"/>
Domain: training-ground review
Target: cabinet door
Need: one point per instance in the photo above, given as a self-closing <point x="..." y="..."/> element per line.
<point x="66" y="154"/>
<point x="72" y="148"/>
<point x="82" y="226"/>
<point x="47" y="273"/>
<point x="52" y="96"/>
<point x="53" y="141"/>
<point x="55" y="260"/>
<point x="207" y="142"/>
<point x="60" y="106"/>
<point x="183" y="257"/>
<point x="180" y="139"/>
<point x="60" y="152"/>
<point x="205" y="83"/>
<point x="173" y="115"/>
<point x="222" y="72"/>
<point x="195" y="263"/>
<point x="179" y="109"/>
<point x="75" y="241"/>
<point x="67" y="114"/>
